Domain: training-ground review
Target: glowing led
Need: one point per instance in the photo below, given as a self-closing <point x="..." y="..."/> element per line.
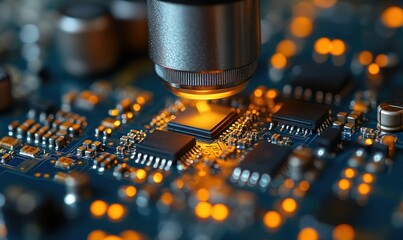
<point x="141" y="100"/>
<point x="392" y="17"/>
<point x="368" y="142"/>
<point x="323" y="46"/>
<point x="203" y="210"/>
<point x="258" y="92"/>
<point x="363" y="189"/>
<point x="130" y="191"/>
<point x="271" y="94"/>
<point x="279" y="61"/>
<point x="136" y="107"/>
<point x="344" y="184"/>
<point x="343" y="232"/>
<point x="202" y="194"/>
<point x="116" y="212"/>
<point x="96" y="235"/>
<point x="141" y="174"/>
<point x="113" y="112"/>
<point x="367" y="178"/>
<point x="349" y="173"/>
<point x="272" y="219"/>
<point x="158" y="177"/>
<point x="338" y="47"/>
<point x="301" y="26"/>
<point x="98" y="208"/>
<point x="381" y="60"/>
<point x="287" y="47"/>
<point x="289" y="205"/>
<point x="219" y="212"/>
<point x="373" y="68"/>
<point x="365" y="57"/>
<point x="304" y="185"/>
<point x="167" y="198"/>
<point x="308" y="234"/>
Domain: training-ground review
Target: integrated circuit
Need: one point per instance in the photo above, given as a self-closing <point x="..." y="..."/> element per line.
<point x="206" y="121"/>
<point x="163" y="146"/>
<point x="322" y="81"/>
<point x="302" y="117"/>
<point x="329" y="138"/>
<point x="262" y="164"/>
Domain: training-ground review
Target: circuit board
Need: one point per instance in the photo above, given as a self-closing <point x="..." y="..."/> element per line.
<point x="304" y="152"/>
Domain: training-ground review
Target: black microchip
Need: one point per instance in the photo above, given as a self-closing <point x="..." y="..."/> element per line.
<point x="321" y="77"/>
<point x="266" y="158"/>
<point x="204" y="123"/>
<point x="335" y="211"/>
<point x="302" y="114"/>
<point x="167" y="145"/>
<point x="329" y="138"/>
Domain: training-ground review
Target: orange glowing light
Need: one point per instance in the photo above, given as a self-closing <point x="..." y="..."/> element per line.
<point x="287" y="47"/>
<point x="308" y="234"/>
<point x="272" y="219"/>
<point x="136" y="107"/>
<point x="219" y="212"/>
<point x="167" y="198"/>
<point x="113" y="112"/>
<point x="202" y="106"/>
<point x="130" y="235"/>
<point x="271" y="94"/>
<point x="116" y="123"/>
<point x="304" y="185"/>
<point x="373" y="69"/>
<point x="338" y="47"/>
<point x="98" y="208"/>
<point x="369" y="142"/>
<point x="392" y="17"/>
<point x="258" y="92"/>
<point x="301" y="26"/>
<point x="344" y="184"/>
<point x="289" y="205"/>
<point x="141" y="100"/>
<point x="363" y="189"/>
<point x="96" y="235"/>
<point x="367" y="178"/>
<point x="365" y="57"/>
<point x="112" y="237"/>
<point x="202" y="194"/>
<point x="279" y="61"/>
<point x="382" y="60"/>
<point x="289" y="183"/>
<point x="323" y="45"/>
<point x="116" y="212"/>
<point x="130" y="191"/>
<point x="349" y="173"/>
<point x="325" y="3"/>
<point x="158" y="177"/>
<point x="141" y="174"/>
<point x="304" y="8"/>
<point x="203" y="210"/>
<point x="343" y="232"/>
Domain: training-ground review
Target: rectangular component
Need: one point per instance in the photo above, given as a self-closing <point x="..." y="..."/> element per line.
<point x="204" y="120"/>
<point x="266" y="158"/>
<point x="30" y="151"/>
<point x="8" y="143"/>
<point x="165" y="144"/>
<point x="302" y="114"/>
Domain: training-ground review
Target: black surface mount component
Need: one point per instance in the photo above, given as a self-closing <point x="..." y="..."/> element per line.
<point x="166" y="145"/>
<point x="303" y="115"/>
<point x="329" y="138"/>
<point x="208" y="123"/>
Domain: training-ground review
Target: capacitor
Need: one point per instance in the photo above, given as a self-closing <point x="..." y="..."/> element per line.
<point x="86" y="39"/>
<point x="131" y="17"/>
<point x="5" y="89"/>
<point x="390" y="116"/>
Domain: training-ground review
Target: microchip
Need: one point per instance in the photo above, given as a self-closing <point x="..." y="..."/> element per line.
<point x="29" y="151"/>
<point x="302" y="115"/>
<point x="8" y="143"/>
<point x="329" y="138"/>
<point x="208" y="123"/>
<point x="335" y="211"/>
<point x="166" y="145"/>
<point x="266" y="158"/>
<point x="64" y="162"/>
<point x="322" y="77"/>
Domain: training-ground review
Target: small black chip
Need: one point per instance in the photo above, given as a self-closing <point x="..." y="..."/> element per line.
<point x="266" y="158"/>
<point x="322" y="77"/>
<point x="166" y="145"/>
<point x="302" y="114"/>
<point x="335" y="211"/>
<point x="329" y="138"/>
<point x="208" y="122"/>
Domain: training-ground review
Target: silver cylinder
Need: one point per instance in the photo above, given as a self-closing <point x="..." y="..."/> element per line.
<point x="204" y="47"/>
<point x="86" y="39"/>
